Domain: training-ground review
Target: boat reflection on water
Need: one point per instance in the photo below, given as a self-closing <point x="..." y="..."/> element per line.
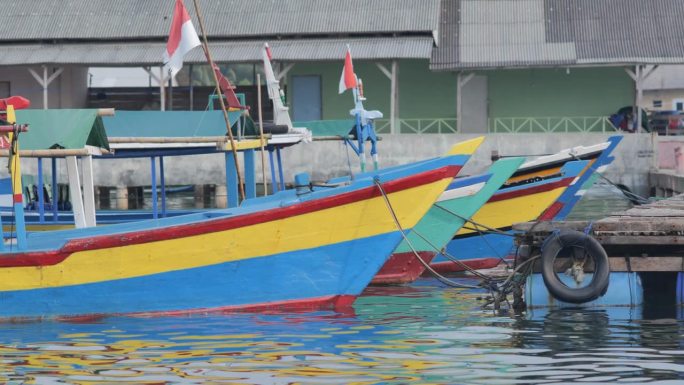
<point x="424" y="333"/>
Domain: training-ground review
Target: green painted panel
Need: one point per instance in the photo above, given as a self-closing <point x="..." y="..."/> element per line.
<point x="438" y="226"/>
<point x="557" y="92"/>
<point x="61" y="128"/>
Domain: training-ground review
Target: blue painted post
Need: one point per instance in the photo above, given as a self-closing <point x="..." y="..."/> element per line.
<point x="280" y="169"/>
<point x="41" y="198"/>
<point x="250" y="177"/>
<point x="153" y="183"/>
<point x="231" y="180"/>
<point x="55" y="215"/>
<point x="163" y="186"/>
<point x="274" y="182"/>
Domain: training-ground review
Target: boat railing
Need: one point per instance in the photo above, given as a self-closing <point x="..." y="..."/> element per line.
<point x="551" y="124"/>
<point x="419" y="126"/>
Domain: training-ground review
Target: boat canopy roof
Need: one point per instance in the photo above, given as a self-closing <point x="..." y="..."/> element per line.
<point x="169" y="124"/>
<point x="69" y="129"/>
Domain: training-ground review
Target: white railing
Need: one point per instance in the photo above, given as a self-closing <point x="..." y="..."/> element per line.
<point x="551" y="124"/>
<point x="419" y="126"/>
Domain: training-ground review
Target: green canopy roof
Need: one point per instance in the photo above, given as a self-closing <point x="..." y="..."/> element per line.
<point x="127" y="124"/>
<point x="69" y="129"/>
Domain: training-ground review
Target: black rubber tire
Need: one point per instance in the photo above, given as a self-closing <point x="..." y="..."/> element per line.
<point x="599" y="282"/>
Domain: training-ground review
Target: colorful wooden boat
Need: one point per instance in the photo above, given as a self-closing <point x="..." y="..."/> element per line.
<point x="532" y="193"/>
<point x="462" y="199"/>
<point x="319" y="250"/>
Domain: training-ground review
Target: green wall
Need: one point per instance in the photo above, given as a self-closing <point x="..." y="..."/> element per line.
<point x="422" y="94"/>
<point x="511" y="93"/>
<point x="555" y="92"/>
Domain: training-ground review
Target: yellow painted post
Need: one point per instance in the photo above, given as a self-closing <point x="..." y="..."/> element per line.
<point x="15" y="175"/>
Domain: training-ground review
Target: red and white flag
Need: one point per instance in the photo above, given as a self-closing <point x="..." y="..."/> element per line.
<point x="182" y="38"/>
<point x="348" y="78"/>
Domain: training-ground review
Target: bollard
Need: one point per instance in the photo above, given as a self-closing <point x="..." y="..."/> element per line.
<point x="121" y="198"/>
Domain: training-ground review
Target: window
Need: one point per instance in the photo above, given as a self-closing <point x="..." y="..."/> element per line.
<point x="657" y="103"/>
<point x="679" y="106"/>
<point x="4" y="89"/>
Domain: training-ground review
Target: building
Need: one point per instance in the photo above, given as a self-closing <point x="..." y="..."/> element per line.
<point x="431" y="66"/>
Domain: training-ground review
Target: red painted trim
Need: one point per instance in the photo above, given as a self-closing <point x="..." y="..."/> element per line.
<point x="452" y="267"/>
<point x="531" y="190"/>
<point x="402" y="268"/>
<point x="551" y="211"/>
<point x="18" y="198"/>
<point x="52" y="257"/>
<point x="338" y="303"/>
<point x="332" y="302"/>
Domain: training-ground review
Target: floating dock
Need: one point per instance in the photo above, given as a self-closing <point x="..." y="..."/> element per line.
<point x="644" y="245"/>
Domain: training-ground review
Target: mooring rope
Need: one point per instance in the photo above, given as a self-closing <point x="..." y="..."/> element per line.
<point x="440" y="277"/>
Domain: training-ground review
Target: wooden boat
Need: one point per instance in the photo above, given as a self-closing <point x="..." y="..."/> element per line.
<point x="316" y="249"/>
<point x="459" y="202"/>
<point x="537" y="191"/>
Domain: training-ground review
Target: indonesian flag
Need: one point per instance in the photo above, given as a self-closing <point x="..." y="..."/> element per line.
<point x="348" y="78"/>
<point x="182" y="38"/>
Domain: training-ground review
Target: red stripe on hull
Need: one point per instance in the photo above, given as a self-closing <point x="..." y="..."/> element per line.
<point x="402" y="268"/>
<point x="531" y="190"/>
<point x="46" y="258"/>
<point x="452" y="267"/>
<point x="338" y="303"/>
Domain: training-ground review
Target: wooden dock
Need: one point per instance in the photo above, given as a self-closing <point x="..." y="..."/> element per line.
<point x="647" y="238"/>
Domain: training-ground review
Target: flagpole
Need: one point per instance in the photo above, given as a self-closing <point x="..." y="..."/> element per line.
<point x="233" y="147"/>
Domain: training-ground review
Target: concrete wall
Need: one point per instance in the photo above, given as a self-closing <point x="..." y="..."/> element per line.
<point x="634" y="158"/>
<point x="68" y="90"/>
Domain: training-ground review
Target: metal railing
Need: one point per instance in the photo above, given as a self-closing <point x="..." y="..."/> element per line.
<point x="419" y="126"/>
<point x="551" y="124"/>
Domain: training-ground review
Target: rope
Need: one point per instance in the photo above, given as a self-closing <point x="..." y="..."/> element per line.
<point x="441" y="278"/>
<point x="477" y="225"/>
<point x="634" y="198"/>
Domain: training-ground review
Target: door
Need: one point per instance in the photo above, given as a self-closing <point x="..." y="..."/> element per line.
<point x="306" y="98"/>
<point x="474" y="105"/>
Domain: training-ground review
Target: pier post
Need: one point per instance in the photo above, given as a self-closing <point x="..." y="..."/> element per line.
<point x="121" y="198"/>
<point x="221" y="196"/>
<point x="199" y="196"/>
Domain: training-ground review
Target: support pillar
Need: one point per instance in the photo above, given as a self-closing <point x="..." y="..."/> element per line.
<point x="221" y="196"/>
<point x="88" y="190"/>
<point x="153" y="185"/>
<point x="161" y="79"/>
<point x="75" y="192"/>
<point x="393" y="75"/>
<point x="461" y="81"/>
<point x="231" y="180"/>
<point x="639" y="76"/>
<point x="250" y="171"/>
<point x="45" y="81"/>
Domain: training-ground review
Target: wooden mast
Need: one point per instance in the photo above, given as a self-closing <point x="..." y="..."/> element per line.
<point x="233" y="147"/>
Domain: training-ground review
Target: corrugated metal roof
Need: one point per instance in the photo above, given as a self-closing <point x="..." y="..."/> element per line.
<point x="145" y="19"/>
<point x="238" y="51"/>
<point x="505" y="33"/>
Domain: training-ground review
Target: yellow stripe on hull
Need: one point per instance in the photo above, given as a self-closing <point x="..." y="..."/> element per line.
<point x="338" y="224"/>
<point x="505" y="212"/>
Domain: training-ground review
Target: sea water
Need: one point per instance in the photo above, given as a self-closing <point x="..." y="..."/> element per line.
<point x="423" y="333"/>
